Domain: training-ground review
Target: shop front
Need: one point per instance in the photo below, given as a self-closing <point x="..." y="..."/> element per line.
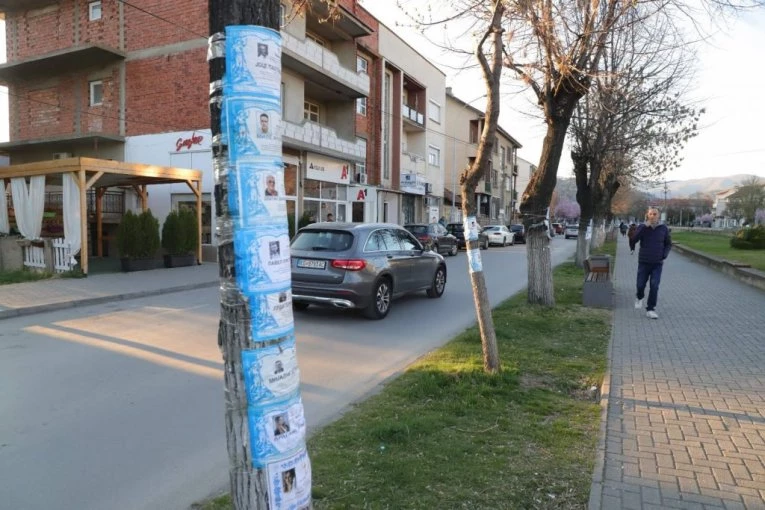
<point x="326" y="194"/>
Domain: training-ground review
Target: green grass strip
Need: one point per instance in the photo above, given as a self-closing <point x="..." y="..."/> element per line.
<point x="718" y="245"/>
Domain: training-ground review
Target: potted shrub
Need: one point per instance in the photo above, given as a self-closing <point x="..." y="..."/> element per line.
<point x="180" y="237"/>
<point x="138" y="241"/>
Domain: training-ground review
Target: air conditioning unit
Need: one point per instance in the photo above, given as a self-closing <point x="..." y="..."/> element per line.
<point x="62" y="155"/>
<point x="362" y="178"/>
<point x="428" y="188"/>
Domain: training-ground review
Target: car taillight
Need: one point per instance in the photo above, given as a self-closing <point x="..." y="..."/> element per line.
<point x="349" y="264"/>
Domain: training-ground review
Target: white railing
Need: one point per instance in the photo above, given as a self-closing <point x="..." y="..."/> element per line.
<point x="34" y="257"/>
<point x="412" y="114"/>
<point x="322" y="136"/>
<point x="327" y="61"/>
<point x="62" y="256"/>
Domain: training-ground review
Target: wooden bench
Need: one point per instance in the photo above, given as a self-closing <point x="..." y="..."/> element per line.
<point x="598" y="287"/>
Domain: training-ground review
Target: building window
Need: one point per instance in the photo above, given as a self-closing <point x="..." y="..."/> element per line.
<point x="361" y="168"/>
<point x="96" y="93"/>
<point x="502" y="157"/>
<point x="434" y="111"/>
<point x="310" y="111"/>
<point x="361" y="106"/>
<point x="94" y="11"/>
<point x="362" y="65"/>
<point x="283" y="15"/>
<point x="434" y="156"/>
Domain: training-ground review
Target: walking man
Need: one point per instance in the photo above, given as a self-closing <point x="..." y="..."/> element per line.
<point x="655" y="243"/>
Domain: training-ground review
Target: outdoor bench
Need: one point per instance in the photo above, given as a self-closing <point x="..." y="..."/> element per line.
<point x="598" y="287"/>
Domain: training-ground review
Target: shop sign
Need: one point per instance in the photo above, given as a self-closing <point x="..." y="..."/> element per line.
<point x="413" y="183"/>
<point x="322" y="168"/>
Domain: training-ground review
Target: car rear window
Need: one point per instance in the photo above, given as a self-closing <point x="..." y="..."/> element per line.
<point x="516" y="227"/>
<point x="323" y="240"/>
<point x="417" y="229"/>
<point x="491" y="229"/>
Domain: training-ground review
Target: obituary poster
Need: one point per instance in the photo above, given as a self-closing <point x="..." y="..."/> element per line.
<point x="289" y="482"/>
<point x="276" y="430"/>
<point x="253" y="60"/>
<point x="271" y="373"/>
<point x="262" y="258"/>
<point x="256" y="192"/>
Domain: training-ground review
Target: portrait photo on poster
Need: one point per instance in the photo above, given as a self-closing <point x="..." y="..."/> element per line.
<point x="276" y="429"/>
<point x="262" y="258"/>
<point x="252" y="127"/>
<point x="271" y="313"/>
<point x="259" y="192"/>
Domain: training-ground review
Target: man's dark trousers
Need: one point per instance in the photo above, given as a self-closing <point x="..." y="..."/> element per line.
<point x="645" y="272"/>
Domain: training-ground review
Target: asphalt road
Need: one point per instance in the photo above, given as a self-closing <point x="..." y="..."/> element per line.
<point x="120" y="405"/>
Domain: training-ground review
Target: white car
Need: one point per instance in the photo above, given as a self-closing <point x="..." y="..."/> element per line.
<point x="499" y="234"/>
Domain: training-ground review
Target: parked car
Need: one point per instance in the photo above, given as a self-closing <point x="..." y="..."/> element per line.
<point x="458" y="231"/>
<point x="499" y="234"/>
<point x="558" y="228"/>
<point x="362" y="266"/>
<point x="434" y="236"/>
<point x="519" y="232"/>
<point x="572" y="231"/>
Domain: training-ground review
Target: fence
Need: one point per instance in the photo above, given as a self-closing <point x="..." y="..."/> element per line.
<point x="57" y="249"/>
<point x="34" y="257"/>
<point x="62" y="256"/>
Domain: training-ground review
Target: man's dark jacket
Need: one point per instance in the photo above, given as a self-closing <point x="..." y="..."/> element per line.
<point x="655" y="243"/>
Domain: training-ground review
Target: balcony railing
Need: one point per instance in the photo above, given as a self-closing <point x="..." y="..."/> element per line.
<point x="113" y="202"/>
<point x="412" y="115"/>
<point x="322" y="66"/>
<point x="309" y="134"/>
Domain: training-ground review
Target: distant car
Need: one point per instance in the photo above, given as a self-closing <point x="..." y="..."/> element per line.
<point x="519" y="231"/>
<point x="434" y="236"/>
<point x="571" y="231"/>
<point x="458" y="231"/>
<point x="361" y="265"/>
<point x="558" y="228"/>
<point x="499" y="234"/>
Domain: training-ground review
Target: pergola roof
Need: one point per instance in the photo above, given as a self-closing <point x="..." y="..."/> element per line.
<point x="109" y="172"/>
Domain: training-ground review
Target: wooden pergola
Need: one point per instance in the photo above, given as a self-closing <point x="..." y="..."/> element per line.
<point x="102" y="174"/>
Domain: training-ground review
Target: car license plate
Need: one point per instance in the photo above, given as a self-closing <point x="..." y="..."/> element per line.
<point x="312" y="264"/>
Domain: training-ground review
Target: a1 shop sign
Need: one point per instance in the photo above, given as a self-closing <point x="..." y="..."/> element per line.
<point x="327" y="169"/>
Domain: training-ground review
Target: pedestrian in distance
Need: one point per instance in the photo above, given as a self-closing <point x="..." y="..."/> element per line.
<point x="655" y="243"/>
<point x="623" y="228"/>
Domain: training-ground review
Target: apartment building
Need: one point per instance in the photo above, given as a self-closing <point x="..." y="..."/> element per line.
<point x="496" y="195"/>
<point x="525" y="171"/>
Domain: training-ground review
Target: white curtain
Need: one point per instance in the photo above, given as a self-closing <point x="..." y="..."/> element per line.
<point x="28" y="204"/>
<point x="72" y="232"/>
<point x="5" y="226"/>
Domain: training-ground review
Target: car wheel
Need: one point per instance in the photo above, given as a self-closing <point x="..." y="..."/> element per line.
<point x="512" y="242"/>
<point x="504" y="241"/>
<point x="454" y="250"/>
<point x="486" y="244"/>
<point x="381" y="298"/>
<point x="298" y="305"/>
<point x="438" y="286"/>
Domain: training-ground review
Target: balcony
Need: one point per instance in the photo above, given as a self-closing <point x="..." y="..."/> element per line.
<point x="61" y="61"/>
<point x="317" y="138"/>
<point x="24" y="5"/>
<point x="413" y="120"/>
<point x="322" y="67"/>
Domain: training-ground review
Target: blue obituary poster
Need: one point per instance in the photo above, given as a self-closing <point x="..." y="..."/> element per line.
<point x="271" y="313"/>
<point x="262" y="259"/>
<point x="271" y="374"/>
<point x="256" y="192"/>
<point x="276" y="430"/>
<point x="253" y="60"/>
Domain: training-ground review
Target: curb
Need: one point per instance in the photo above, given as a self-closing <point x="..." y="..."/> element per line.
<point x="598" y="472"/>
<point x="747" y="275"/>
<point x="52" y="307"/>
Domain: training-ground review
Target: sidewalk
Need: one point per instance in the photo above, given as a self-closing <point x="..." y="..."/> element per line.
<point x="685" y="414"/>
<point x="48" y="295"/>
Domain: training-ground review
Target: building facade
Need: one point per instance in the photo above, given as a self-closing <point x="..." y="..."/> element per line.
<point x="364" y="118"/>
<point x="496" y="193"/>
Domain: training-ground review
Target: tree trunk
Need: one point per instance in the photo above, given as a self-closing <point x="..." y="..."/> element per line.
<point x="584" y="199"/>
<point x="249" y="485"/>
<point x="540" y="288"/>
<point x="492" y="72"/>
<point x="536" y="198"/>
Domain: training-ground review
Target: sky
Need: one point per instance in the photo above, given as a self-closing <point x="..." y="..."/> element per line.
<point x="730" y="78"/>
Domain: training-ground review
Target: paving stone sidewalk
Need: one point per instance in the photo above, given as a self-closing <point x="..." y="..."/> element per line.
<point x="47" y="295"/>
<point x="685" y="421"/>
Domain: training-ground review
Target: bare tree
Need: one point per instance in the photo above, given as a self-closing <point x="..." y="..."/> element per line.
<point x="491" y="67"/>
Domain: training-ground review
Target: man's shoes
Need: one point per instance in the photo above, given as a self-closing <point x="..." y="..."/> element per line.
<point x="651" y="314"/>
<point x="638" y="304"/>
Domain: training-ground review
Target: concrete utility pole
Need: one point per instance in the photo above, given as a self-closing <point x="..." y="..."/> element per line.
<point x="265" y="424"/>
